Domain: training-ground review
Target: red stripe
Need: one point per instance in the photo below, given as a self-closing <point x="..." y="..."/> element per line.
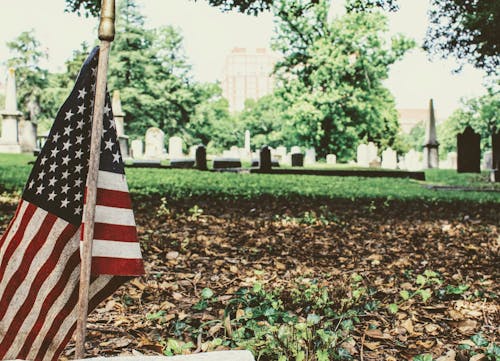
<point x="14" y="242"/>
<point x="4" y="237"/>
<point x="110" y="198"/>
<point x="72" y="263"/>
<point x="31" y="251"/>
<point x="115" y="232"/>
<point x="117" y="266"/>
<point x="44" y="272"/>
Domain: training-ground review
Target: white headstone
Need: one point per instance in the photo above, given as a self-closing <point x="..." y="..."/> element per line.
<point x="27" y="136"/>
<point x="175" y="147"/>
<point x="155" y="143"/>
<point x="412" y="160"/>
<point x="137" y="148"/>
<point x="9" y="140"/>
<point x="372" y="152"/>
<point x="192" y="151"/>
<point x="280" y="151"/>
<point x="362" y="156"/>
<point x="295" y="149"/>
<point x="389" y="159"/>
<point x="310" y="156"/>
<point x="248" y="149"/>
<point x="118" y="113"/>
<point x="487" y="160"/>
<point x="451" y="159"/>
<point x="331" y="159"/>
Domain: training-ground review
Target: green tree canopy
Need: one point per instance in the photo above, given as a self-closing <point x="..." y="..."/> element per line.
<point x="481" y="113"/>
<point x="152" y="74"/>
<point x="332" y="74"/>
<point x="31" y="78"/>
<point x="466" y="29"/>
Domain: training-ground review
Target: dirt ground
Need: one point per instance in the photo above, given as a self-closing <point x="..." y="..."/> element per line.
<point x="192" y="245"/>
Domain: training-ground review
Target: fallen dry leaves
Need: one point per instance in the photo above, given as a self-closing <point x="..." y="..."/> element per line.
<point x="389" y="245"/>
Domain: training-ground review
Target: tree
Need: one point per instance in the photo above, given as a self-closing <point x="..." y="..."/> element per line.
<point x="151" y="72"/>
<point x="466" y="29"/>
<point x="253" y="7"/>
<point x="265" y="120"/>
<point x="211" y="124"/>
<point x="31" y="79"/>
<point x="481" y="113"/>
<point x="332" y="77"/>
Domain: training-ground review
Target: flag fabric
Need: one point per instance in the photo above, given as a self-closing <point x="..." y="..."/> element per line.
<point x="40" y="250"/>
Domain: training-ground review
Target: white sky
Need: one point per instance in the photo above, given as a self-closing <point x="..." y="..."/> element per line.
<point x="210" y="34"/>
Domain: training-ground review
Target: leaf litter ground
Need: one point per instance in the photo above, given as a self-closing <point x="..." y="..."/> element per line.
<point x="429" y="272"/>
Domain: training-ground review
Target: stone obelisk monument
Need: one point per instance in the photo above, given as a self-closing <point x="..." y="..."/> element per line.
<point x="9" y="141"/>
<point x="119" y="116"/>
<point x="431" y="146"/>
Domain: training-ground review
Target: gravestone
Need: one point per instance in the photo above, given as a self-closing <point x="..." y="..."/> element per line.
<point x="185" y="163"/>
<point x="265" y="159"/>
<point x="362" y="155"/>
<point x="175" y="147"/>
<point x="248" y="149"/>
<point x="280" y="152"/>
<point x="331" y="159"/>
<point x="372" y="151"/>
<point x="201" y="158"/>
<point x="119" y="117"/>
<point x="412" y="161"/>
<point x="155" y="143"/>
<point x="468" y="151"/>
<point x="310" y="157"/>
<point x="495" y="149"/>
<point x="136" y="148"/>
<point x="27" y="136"/>
<point x="9" y="140"/>
<point x="431" y="146"/>
<point x="295" y="149"/>
<point x="225" y="163"/>
<point x="389" y="159"/>
<point x="297" y="159"/>
<point x="451" y="159"/>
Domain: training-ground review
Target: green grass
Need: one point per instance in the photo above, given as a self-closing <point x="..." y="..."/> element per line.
<point x="178" y="184"/>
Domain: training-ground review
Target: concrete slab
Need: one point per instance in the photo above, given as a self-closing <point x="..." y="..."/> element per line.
<point x="239" y="355"/>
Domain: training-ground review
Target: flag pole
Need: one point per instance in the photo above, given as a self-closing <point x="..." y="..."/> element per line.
<point x="106" y="35"/>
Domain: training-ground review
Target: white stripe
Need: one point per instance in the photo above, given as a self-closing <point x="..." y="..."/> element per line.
<point x="114" y="249"/>
<point x="112" y="181"/>
<point x="50" y="282"/>
<point x="14" y="228"/>
<point x="31" y="230"/>
<point x="112" y="215"/>
<point x="38" y="261"/>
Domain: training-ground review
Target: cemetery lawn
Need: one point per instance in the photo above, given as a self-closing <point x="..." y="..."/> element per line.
<point x="291" y="266"/>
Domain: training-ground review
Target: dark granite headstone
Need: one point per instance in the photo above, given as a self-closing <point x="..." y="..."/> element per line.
<point x="265" y="159"/>
<point x="468" y="151"/>
<point x="274" y="163"/>
<point x="182" y="163"/>
<point x="297" y="160"/>
<point x="495" y="147"/>
<point x="224" y="163"/>
<point x="201" y="158"/>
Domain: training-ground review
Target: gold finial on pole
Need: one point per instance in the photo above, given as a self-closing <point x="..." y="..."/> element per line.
<point x="106" y="35"/>
<point x="107" y="23"/>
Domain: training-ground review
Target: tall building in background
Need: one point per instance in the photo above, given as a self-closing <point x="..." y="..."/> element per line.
<point x="247" y="75"/>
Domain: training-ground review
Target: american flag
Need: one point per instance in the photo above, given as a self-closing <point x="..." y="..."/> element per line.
<point x="39" y="252"/>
